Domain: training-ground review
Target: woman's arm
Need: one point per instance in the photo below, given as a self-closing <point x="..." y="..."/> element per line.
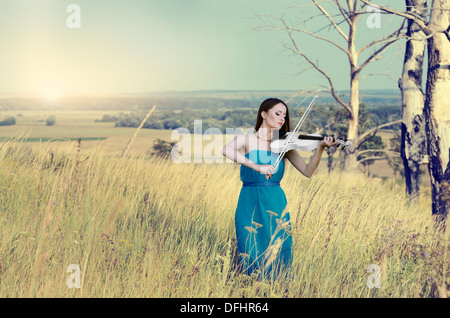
<point x="308" y="169"/>
<point x="231" y="152"/>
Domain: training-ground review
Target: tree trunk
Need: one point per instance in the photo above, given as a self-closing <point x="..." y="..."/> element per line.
<point x="351" y="161"/>
<point x="352" y="135"/>
<point x="410" y="83"/>
<point x="437" y="105"/>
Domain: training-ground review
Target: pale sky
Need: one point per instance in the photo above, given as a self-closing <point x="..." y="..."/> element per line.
<point x="138" y="46"/>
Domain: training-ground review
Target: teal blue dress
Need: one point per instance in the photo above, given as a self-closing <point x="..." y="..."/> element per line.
<point x="263" y="226"/>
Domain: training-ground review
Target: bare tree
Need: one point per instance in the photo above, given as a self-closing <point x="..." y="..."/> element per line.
<point x="413" y="145"/>
<point x="437" y="104"/>
<point x="437" y="99"/>
<point x="347" y="13"/>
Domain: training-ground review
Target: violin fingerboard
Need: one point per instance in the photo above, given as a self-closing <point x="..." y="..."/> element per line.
<point x="308" y="137"/>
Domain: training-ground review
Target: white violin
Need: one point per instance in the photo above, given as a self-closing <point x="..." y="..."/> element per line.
<point x="303" y="142"/>
<point x="293" y="140"/>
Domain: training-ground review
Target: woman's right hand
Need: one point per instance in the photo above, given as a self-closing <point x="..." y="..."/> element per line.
<point x="267" y="170"/>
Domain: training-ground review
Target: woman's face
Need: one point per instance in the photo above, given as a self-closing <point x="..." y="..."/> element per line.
<point x="275" y="117"/>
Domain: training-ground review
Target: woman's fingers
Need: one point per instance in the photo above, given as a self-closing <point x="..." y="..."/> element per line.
<point x="269" y="171"/>
<point x="328" y="141"/>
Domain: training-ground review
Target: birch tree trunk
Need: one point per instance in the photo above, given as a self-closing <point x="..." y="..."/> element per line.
<point x="352" y="134"/>
<point x="437" y="105"/>
<point x="353" y="123"/>
<point x="413" y="145"/>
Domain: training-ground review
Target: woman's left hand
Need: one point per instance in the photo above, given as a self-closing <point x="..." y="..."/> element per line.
<point x="327" y="142"/>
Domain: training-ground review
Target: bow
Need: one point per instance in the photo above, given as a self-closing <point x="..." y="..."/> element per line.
<point x="296" y="129"/>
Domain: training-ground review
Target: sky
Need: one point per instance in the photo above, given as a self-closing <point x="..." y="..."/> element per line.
<point x="139" y="46"/>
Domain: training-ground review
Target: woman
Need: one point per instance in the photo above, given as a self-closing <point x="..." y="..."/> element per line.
<point x="262" y="224"/>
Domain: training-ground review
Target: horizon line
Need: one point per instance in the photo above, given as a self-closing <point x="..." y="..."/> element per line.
<point x="155" y="93"/>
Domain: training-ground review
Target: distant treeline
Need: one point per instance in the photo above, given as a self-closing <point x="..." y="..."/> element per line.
<point x="190" y="100"/>
<point x="168" y="119"/>
<point x="222" y="119"/>
<point x="11" y="121"/>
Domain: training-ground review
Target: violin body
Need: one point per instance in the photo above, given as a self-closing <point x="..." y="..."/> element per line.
<point x="302" y="142"/>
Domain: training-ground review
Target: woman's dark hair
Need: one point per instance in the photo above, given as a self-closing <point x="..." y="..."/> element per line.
<point x="265" y="106"/>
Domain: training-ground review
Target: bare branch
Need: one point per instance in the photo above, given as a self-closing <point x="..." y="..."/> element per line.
<point x="270" y="27"/>
<point x="394" y="153"/>
<point x="377" y="74"/>
<point x="316" y="36"/>
<point x="372" y="158"/>
<point x="374" y="56"/>
<point x="378" y="41"/>
<point x="343" y="12"/>
<point x="365" y="137"/>
<point x="368" y="135"/>
<point x="387" y="157"/>
<point x="331" y="20"/>
<point x="350" y="5"/>
<point x="408" y="15"/>
<point x="297" y="51"/>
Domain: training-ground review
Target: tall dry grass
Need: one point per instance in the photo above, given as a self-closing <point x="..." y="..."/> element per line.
<point x="140" y="227"/>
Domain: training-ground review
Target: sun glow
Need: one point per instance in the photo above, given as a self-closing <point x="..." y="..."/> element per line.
<point x="50" y="89"/>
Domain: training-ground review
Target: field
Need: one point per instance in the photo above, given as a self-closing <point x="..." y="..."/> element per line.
<point x="81" y="123"/>
<point x="138" y="226"/>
